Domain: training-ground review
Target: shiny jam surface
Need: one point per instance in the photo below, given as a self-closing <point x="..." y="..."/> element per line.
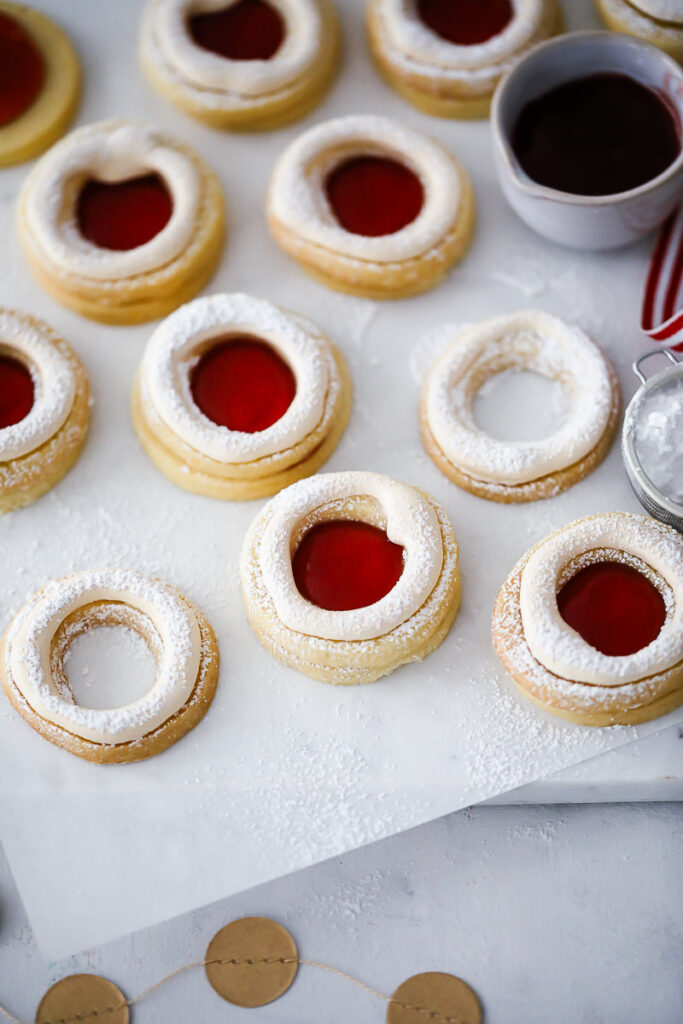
<point x="122" y="215"/>
<point x="243" y="384"/>
<point x="374" y="195"/>
<point x="465" y="22"/>
<point x="247" y="30"/>
<point x="22" y="70"/>
<point x="597" y="136"/>
<point x="613" y="607"/>
<point x="16" y="391"/>
<point x="344" y="564"/>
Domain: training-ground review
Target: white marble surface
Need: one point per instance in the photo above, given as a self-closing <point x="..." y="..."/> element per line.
<point x="556" y="915"/>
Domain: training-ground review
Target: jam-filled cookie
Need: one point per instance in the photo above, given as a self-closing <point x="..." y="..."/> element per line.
<point x="447" y="56"/>
<point x="346" y="576"/>
<point x="516" y="471"/>
<point x="33" y="650"/>
<point x="659" y="22"/>
<point x="241" y="64"/>
<point x="371" y="207"/>
<point x="40" y="82"/>
<point x="589" y="623"/>
<point x="236" y="398"/>
<point x="121" y="222"/>
<point x="44" y="409"/>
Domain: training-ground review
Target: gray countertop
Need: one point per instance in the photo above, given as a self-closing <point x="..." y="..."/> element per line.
<point x="562" y="914"/>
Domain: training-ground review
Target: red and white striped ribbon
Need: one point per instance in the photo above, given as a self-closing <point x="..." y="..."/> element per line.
<point x="662" y="317"/>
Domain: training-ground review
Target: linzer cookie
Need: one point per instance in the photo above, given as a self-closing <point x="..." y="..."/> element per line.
<point x="236" y="398"/>
<point x="589" y="623"/>
<point x="40" y="81"/>
<point x="44" y="409"/>
<point x="36" y="642"/>
<point x="517" y="471"/>
<point x="121" y="222"/>
<point x="447" y="56"/>
<point x="253" y="64"/>
<point x="371" y="207"/>
<point x="346" y="576"/>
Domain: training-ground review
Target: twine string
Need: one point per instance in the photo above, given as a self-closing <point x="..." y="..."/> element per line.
<point x="79" y="1018"/>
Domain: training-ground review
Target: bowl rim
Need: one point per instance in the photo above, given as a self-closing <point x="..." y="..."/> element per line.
<point x="503" y="144"/>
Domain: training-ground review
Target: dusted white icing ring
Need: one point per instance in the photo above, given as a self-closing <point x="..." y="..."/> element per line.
<point x="558" y="647"/>
<point x="109" y="151"/>
<point x="53" y="380"/>
<point x="410" y="522"/>
<point x="297" y="198"/>
<point x="526" y="340"/>
<point x="29" y="639"/>
<point x="412" y="42"/>
<point x="165" y="30"/>
<point x="177" y="344"/>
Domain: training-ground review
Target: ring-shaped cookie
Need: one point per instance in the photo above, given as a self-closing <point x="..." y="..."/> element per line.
<point x="659" y="22"/>
<point x="361" y="644"/>
<point x="393" y="265"/>
<point x="552" y="664"/>
<point x="244" y="94"/>
<point x="442" y="72"/>
<point x="39" y="449"/>
<point x="121" y="285"/>
<point x="48" y="116"/>
<point x="207" y="458"/>
<point x="182" y="641"/>
<point x="517" y="471"/>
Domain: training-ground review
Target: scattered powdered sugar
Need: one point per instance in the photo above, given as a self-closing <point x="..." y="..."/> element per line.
<point x="658" y="436"/>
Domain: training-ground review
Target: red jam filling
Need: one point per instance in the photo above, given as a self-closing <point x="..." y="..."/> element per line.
<point x="22" y="70"/>
<point x="247" y="30"/>
<point x="613" y="607"/>
<point x="597" y="136"/>
<point x="16" y="391"/>
<point x="243" y="384"/>
<point x="465" y="22"/>
<point x="374" y="195"/>
<point x="344" y="564"/>
<point x="122" y="215"/>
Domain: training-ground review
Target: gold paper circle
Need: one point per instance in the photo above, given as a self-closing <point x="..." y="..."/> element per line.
<point x="83" y="998"/>
<point x="437" y="997"/>
<point x="262" y="961"/>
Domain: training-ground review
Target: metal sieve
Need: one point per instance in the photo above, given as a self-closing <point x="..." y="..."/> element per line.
<point x="654" y="501"/>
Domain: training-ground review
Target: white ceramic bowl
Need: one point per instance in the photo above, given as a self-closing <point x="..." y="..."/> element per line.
<point x="586" y="222"/>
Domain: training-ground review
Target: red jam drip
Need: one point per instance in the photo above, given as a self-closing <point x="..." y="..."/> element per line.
<point x="465" y="22"/>
<point x="16" y="391"/>
<point x="22" y="70"/>
<point x="122" y="215"/>
<point x="374" y="195"/>
<point x="243" y="384"/>
<point x="613" y="607"/>
<point x="597" y="136"/>
<point x="248" y="30"/>
<point x="344" y="564"/>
